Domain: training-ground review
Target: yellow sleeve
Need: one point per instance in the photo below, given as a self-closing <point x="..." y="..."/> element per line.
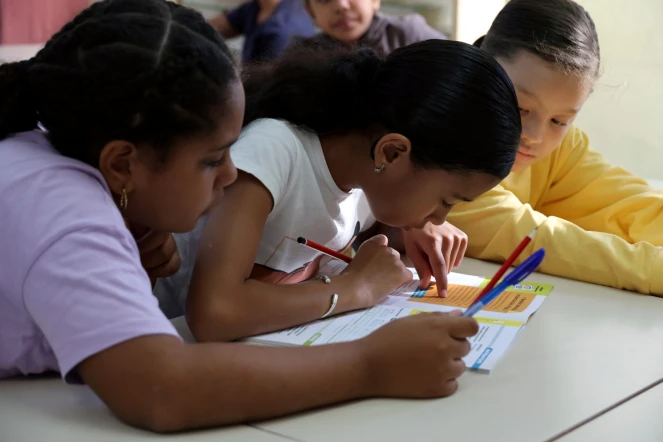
<point x="595" y="195"/>
<point x="497" y="221"/>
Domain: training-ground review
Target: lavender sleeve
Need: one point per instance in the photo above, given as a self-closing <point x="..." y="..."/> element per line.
<point x="87" y="292"/>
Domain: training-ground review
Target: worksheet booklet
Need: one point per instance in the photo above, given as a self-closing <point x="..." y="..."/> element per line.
<point x="500" y="322"/>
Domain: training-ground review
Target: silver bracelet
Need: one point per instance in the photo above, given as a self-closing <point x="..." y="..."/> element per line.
<point x="334" y="298"/>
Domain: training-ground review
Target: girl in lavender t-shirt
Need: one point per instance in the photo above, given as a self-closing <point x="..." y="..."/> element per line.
<point x="138" y="101"/>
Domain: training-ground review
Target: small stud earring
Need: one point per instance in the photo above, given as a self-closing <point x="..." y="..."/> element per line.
<point x="124" y="200"/>
<point x="379" y="169"/>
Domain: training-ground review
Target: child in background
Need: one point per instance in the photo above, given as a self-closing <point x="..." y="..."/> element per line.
<point x="267" y="26"/>
<point x="358" y="22"/>
<point x="140" y="102"/>
<point x="598" y="222"/>
<point x="334" y="142"/>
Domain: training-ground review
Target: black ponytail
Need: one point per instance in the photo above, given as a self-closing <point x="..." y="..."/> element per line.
<point x="17" y="107"/>
<point x="453" y="101"/>
<point x="309" y="86"/>
<point x="146" y="71"/>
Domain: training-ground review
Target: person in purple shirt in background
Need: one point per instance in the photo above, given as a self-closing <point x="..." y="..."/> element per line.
<point x="359" y="22"/>
<point x="138" y="102"/>
<point x="267" y="26"/>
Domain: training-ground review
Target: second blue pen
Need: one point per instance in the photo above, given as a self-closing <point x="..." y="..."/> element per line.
<point x="515" y="277"/>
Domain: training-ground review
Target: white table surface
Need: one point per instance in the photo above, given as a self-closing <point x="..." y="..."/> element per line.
<point x="587" y="348"/>
<point x="36" y="410"/>
<point x="636" y="420"/>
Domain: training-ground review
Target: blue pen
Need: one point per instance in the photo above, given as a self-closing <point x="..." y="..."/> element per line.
<point x="516" y="276"/>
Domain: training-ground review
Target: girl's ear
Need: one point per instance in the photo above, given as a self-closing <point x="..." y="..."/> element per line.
<point x="116" y="164"/>
<point x="391" y="149"/>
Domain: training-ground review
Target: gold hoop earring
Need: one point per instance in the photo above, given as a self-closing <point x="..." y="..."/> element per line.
<point x="124" y="200"/>
<point x="379" y="169"/>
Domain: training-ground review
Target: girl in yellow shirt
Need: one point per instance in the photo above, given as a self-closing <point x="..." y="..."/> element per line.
<point x="598" y="222"/>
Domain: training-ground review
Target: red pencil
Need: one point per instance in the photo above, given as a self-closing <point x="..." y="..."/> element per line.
<point x="507" y="264"/>
<point x="323" y="249"/>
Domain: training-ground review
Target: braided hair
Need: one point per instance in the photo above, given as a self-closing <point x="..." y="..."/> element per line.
<point x="145" y="71"/>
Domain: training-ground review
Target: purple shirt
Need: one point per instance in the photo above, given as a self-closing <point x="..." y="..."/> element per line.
<point x="71" y="281"/>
